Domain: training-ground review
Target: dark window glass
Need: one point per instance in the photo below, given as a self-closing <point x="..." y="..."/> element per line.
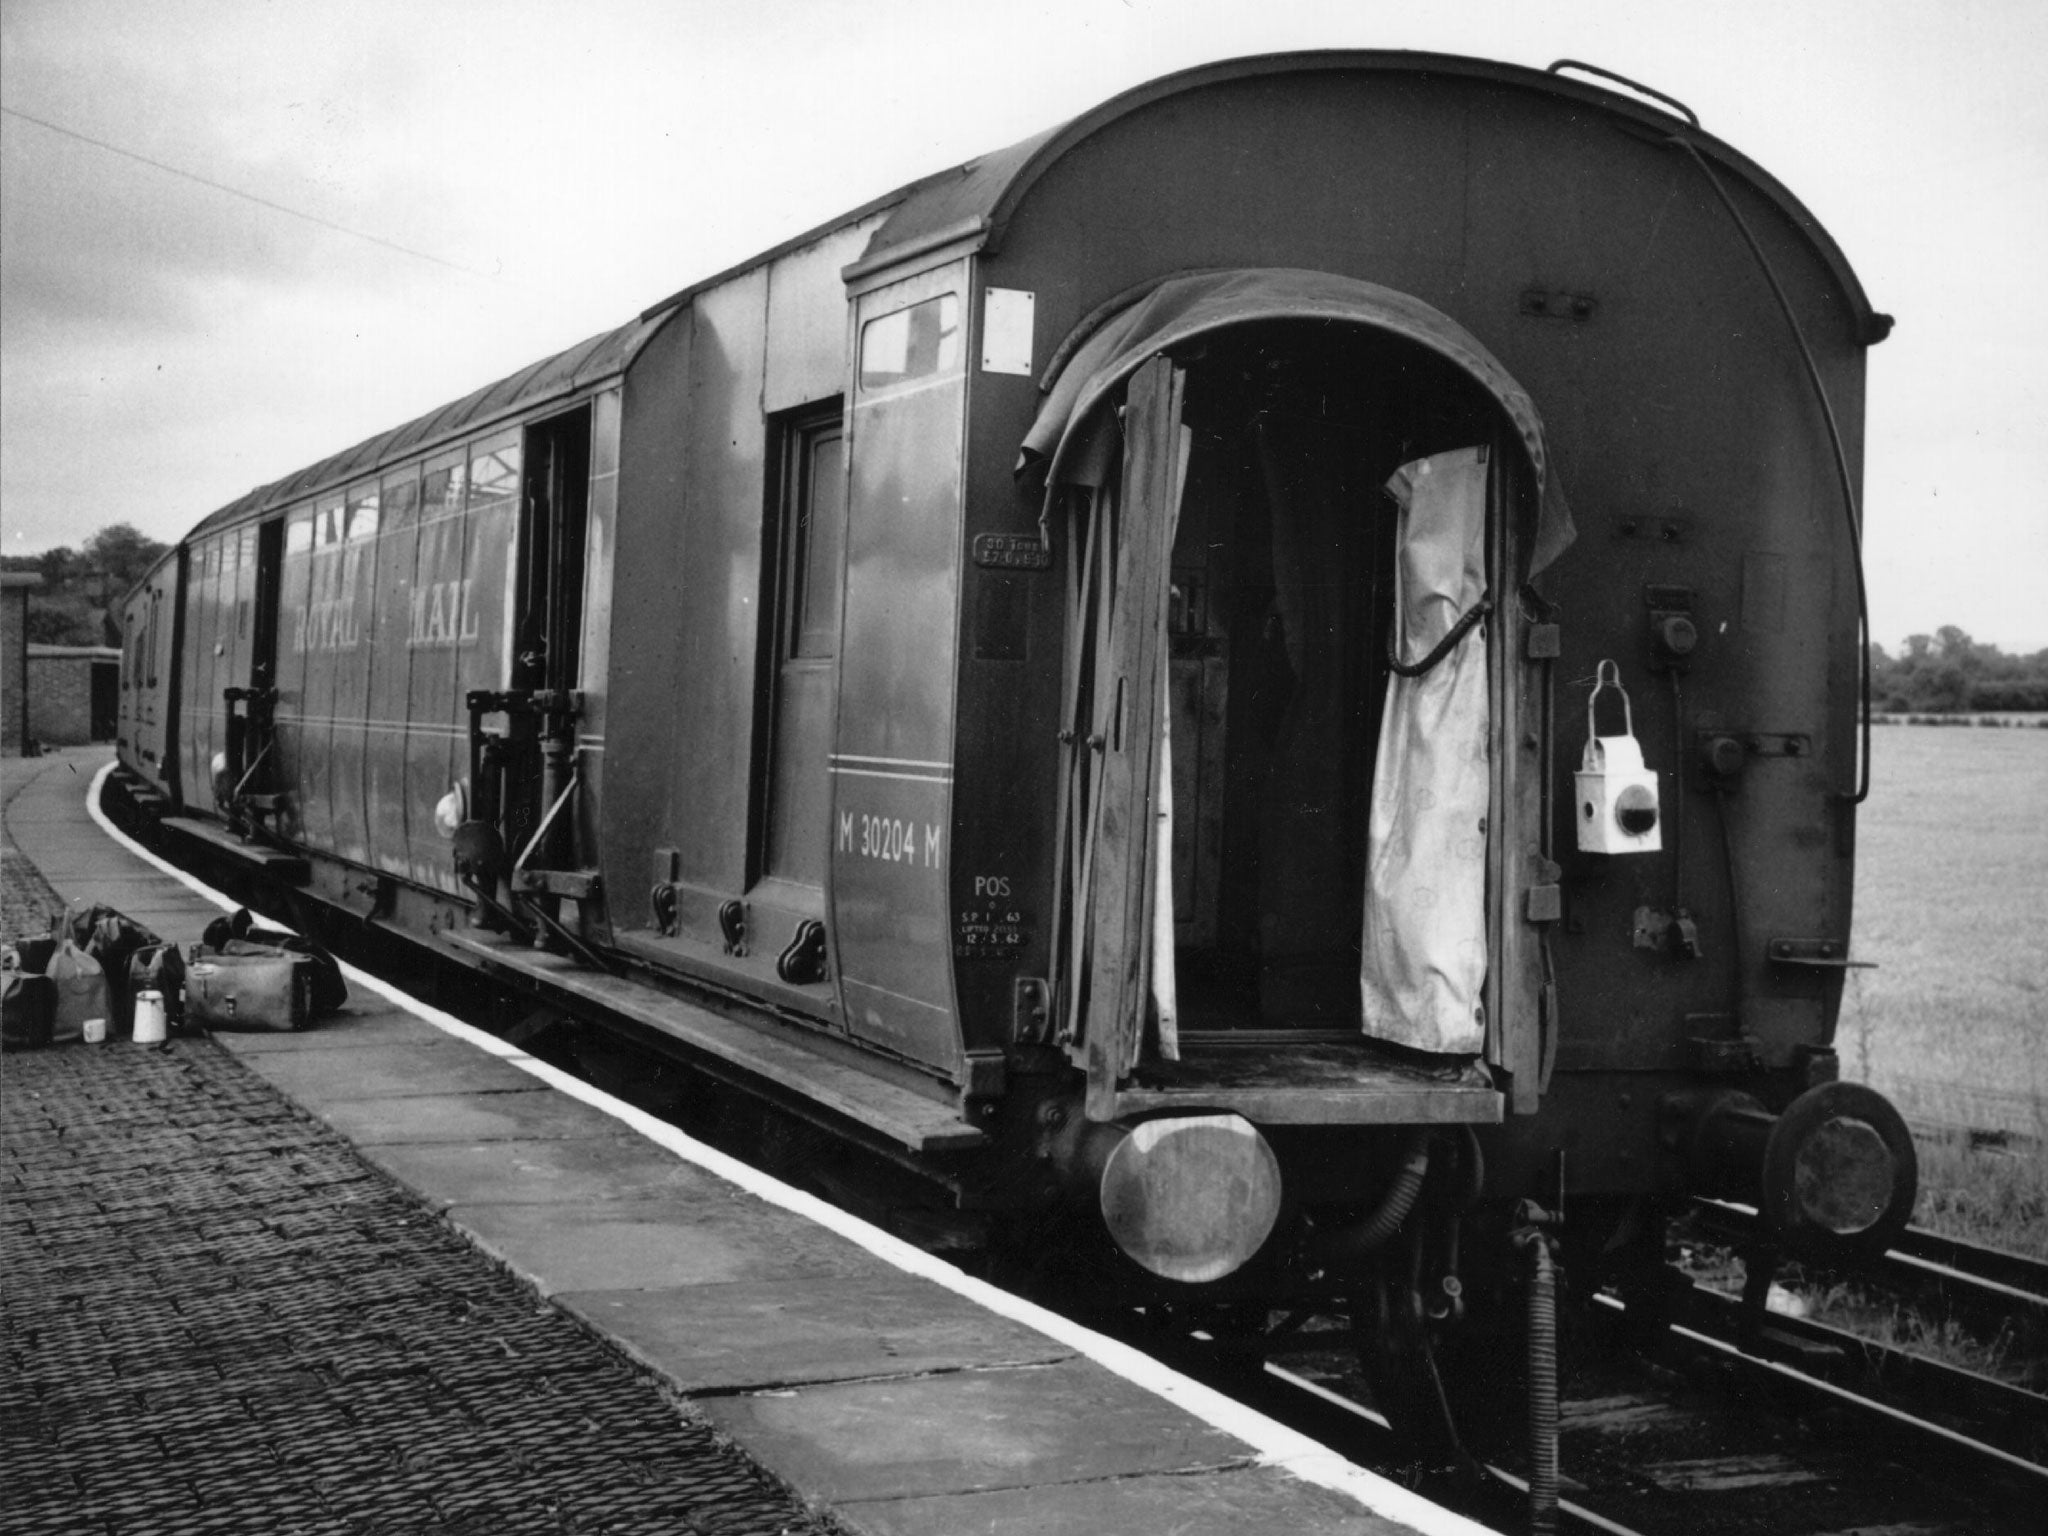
<point x="820" y="530"/>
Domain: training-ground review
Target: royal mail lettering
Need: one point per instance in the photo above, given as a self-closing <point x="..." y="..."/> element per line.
<point x="443" y="614"/>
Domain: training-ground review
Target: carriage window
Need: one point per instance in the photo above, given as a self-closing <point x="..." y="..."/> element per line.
<point x="245" y="559"/>
<point x="360" y="516"/>
<point x="442" y="490"/>
<point x="494" y="473"/>
<point x="814" y="528"/>
<point x="402" y="497"/>
<point x="911" y="343"/>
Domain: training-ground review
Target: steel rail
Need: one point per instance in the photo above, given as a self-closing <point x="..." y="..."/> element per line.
<point x="1913" y="1434"/>
<point x="2008" y="1418"/>
<point x="1339" y="1401"/>
<point x="2017" y="1272"/>
<point x="2000" y="1290"/>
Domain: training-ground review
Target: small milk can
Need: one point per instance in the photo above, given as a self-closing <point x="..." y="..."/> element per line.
<point x="149" y="1018"/>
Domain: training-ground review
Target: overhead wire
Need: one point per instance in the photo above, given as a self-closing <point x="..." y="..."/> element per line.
<point x="251" y="197"/>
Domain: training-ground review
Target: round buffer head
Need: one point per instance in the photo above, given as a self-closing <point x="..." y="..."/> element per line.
<point x="1840" y="1170"/>
<point x="1191" y="1198"/>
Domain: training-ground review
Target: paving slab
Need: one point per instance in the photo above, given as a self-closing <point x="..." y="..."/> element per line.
<point x="971" y="1431"/>
<point x="349" y="1028"/>
<point x="1255" y="1501"/>
<point x="464" y="1117"/>
<point x="723" y="1338"/>
<point x="559" y="1172"/>
<point x="714" y="1236"/>
<point x="397" y="1070"/>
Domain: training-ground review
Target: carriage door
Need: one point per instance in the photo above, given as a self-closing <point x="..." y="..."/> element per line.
<point x="263" y="650"/>
<point x="547" y="628"/>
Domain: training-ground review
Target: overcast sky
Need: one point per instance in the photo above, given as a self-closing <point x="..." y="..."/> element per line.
<point x="484" y="183"/>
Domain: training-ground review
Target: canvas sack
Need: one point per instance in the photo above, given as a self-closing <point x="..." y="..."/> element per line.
<point x="81" y="986"/>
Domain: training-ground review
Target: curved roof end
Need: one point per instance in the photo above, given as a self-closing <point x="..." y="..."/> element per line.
<point x="989" y="189"/>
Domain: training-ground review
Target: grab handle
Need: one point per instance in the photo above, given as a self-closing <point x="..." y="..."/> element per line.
<point x="1635" y="85"/>
<point x="1608" y="675"/>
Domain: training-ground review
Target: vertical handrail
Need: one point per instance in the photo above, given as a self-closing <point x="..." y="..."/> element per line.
<point x="1851" y="507"/>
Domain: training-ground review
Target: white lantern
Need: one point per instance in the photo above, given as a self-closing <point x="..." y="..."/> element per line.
<point x="1617" y="800"/>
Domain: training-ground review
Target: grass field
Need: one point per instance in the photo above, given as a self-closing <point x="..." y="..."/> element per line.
<point x="1952" y="903"/>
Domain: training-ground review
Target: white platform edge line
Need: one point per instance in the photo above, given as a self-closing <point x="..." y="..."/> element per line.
<point x="1277" y="1445"/>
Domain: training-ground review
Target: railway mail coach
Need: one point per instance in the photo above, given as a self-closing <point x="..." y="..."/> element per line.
<point x="1306" y="616"/>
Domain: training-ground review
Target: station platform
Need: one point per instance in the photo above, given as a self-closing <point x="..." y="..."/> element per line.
<point x="393" y="1274"/>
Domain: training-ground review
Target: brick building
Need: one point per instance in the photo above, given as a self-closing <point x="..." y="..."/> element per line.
<point x="15" y="587"/>
<point x="74" y="693"/>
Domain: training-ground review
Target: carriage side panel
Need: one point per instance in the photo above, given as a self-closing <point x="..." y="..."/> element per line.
<point x="436" y="756"/>
<point x="645" y="646"/>
<point x="350" y="627"/>
<point x="716" y="605"/>
<point x="387" y="734"/>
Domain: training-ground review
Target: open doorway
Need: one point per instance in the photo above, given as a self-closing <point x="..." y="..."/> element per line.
<point x="1283" y="596"/>
<point x="547" y="619"/>
<point x="1275" y="833"/>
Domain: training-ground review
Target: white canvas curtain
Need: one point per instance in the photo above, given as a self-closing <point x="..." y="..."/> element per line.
<point x="1424" y="962"/>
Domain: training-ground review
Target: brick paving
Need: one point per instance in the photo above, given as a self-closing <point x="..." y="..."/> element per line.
<point x="27" y="901"/>
<point x="215" y="1317"/>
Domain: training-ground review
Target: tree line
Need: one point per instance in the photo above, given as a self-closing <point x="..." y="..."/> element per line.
<point x="1949" y="673"/>
<point x="79" y="601"/>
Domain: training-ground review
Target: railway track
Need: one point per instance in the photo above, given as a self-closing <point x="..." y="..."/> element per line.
<point x="1946" y="1258"/>
<point x="1965" y="1279"/>
<point x="1723" y="1417"/>
<point x="1699" y="1436"/>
